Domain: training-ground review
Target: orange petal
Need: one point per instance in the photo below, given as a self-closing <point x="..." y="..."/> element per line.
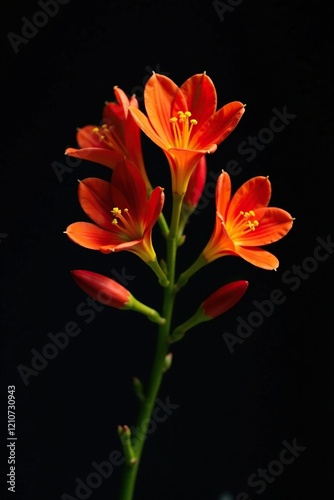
<point x="223" y="194"/>
<point x="254" y="193"/>
<point x="274" y="224"/>
<point x="106" y="157"/>
<point x="159" y="94"/>
<point x="201" y="98"/>
<point x="128" y="188"/>
<point x="258" y="257"/>
<point x="143" y="122"/>
<point x="95" y="200"/>
<point x="90" y="236"/>
<point x="153" y="208"/>
<point x="218" y="127"/>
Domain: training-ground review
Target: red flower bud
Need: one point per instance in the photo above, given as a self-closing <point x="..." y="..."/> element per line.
<point x="196" y="184"/>
<point x="102" y="289"/>
<point x="224" y="298"/>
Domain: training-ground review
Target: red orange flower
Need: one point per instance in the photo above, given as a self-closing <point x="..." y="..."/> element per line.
<point x="118" y="137"/>
<point x="122" y="213"/>
<point x="244" y="222"/>
<point x="184" y="122"/>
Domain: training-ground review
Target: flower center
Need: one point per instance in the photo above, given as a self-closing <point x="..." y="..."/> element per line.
<point x="182" y="126"/>
<point x="244" y="222"/>
<point x="127" y="226"/>
<point x="109" y="137"/>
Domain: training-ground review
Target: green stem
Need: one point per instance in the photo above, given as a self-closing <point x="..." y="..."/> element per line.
<point x="196" y="266"/>
<point x="163" y="345"/>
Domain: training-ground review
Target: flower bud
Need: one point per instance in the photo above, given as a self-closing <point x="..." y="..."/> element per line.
<point x="216" y="304"/>
<point x="223" y="299"/>
<point x="102" y="289"/>
<point x="196" y="184"/>
<point x="111" y="293"/>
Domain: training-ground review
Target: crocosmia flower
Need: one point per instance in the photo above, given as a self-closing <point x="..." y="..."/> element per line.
<point x="123" y="215"/>
<point x="245" y="222"/>
<point x="184" y="122"/>
<point x="116" y="138"/>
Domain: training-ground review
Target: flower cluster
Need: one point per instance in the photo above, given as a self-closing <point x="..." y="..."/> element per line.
<point x="122" y="212"/>
<point x="186" y="124"/>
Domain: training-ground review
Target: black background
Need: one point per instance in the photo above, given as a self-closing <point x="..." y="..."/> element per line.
<point x="235" y="409"/>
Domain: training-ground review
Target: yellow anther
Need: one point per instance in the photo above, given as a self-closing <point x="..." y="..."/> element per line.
<point x="126" y="210"/>
<point x="116" y="211"/>
<point x="114" y="221"/>
<point x="96" y="130"/>
<point x="104" y="126"/>
<point x="182" y="128"/>
<point x="250" y="224"/>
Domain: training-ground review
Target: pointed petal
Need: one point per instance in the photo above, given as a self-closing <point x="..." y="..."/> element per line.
<point x="223" y="194"/>
<point x="154" y="208"/>
<point x="254" y="193"/>
<point x="106" y="157"/>
<point x="218" y="127"/>
<point x="200" y="96"/>
<point x="274" y="223"/>
<point x="89" y="235"/>
<point x="125" y="245"/>
<point x="159" y="94"/>
<point x="145" y="125"/>
<point x="115" y="113"/>
<point x="95" y="200"/>
<point x="258" y="257"/>
<point x="127" y="183"/>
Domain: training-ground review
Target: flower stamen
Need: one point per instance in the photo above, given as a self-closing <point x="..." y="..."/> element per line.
<point x="244" y="222"/>
<point x="182" y="127"/>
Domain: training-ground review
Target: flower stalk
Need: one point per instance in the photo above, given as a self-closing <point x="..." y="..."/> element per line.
<point x="187" y="125"/>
